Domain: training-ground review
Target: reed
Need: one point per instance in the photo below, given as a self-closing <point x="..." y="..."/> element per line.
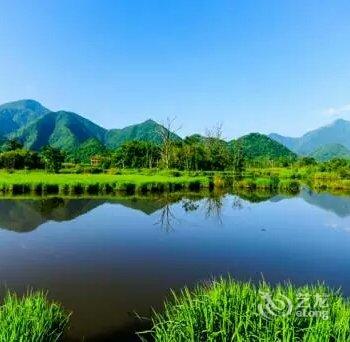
<point x="32" y="318"/>
<point x="227" y="310"/>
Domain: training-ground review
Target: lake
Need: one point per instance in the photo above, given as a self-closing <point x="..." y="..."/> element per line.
<point x="106" y="260"/>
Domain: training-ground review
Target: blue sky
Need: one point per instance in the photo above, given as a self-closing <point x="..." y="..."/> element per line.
<point x="254" y="65"/>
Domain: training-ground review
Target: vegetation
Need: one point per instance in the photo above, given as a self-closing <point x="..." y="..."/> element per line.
<point x="20" y="159"/>
<point x="53" y="158"/>
<point x="31" y="318"/>
<point x="226" y="310"/>
<point x="254" y="161"/>
<point x="88" y="149"/>
<point x="41" y="183"/>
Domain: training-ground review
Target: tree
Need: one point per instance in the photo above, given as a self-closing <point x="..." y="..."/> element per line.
<point x="52" y="158"/>
<point x="217" y="148"/>
<point x="20" y="159"/>
<point x="167" y="133"/>
<point x="137" y="154"/>
<point x="238" y="159"/>
<point x="13" y="145"/>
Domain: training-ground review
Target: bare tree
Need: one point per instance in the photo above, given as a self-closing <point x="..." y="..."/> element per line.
<point x="215" y="133"/>
<point x="167" y="132"/>
<point x="216" y="147"/>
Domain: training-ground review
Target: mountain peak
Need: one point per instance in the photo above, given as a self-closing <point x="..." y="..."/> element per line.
<point x="24" y="104"/>
<point x="16" y="114"/>
<point x="150" y="121"/>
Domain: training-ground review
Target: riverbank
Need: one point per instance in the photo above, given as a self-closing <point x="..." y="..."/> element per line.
<point x="145" y="181"/>
<point x="42" y="183"/>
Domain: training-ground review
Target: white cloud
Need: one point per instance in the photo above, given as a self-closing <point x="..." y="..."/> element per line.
<point x="334" y="112"/>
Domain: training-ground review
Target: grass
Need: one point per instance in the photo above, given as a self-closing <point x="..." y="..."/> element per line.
<point x="144" y="181"/>
<point x="41" y="183"/>
<point x="31" y="319"/>
<point x="226" y="310"/>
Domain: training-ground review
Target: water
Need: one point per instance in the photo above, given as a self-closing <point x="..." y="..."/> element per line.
<point x="105" y="260"/>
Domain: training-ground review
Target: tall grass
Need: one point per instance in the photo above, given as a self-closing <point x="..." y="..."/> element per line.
<point x="41" y="183"/>
<point x="226" y="310"/>
<point x="31" y="319"/>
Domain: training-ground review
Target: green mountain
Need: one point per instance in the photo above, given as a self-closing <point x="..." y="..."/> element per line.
<point x="330" y="151"/>
<point x="63" y="130"/>
<point x="16" y="115"/>
<point x="337" y="132"/>
<point x="256" y="145"/>
<point x="73" y="133"/>
<point x="145" y="131"/>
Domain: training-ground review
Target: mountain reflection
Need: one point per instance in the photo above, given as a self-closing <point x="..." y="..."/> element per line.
<point x="24" y="215"/>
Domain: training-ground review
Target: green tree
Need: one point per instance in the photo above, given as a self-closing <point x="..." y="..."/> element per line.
<point x="137" y="154"/>
<point x="20" y="159"/>
<point x="52" y="158"/>
<point x="12" y="145"/>
<point x="217" y="149"/>
<point x="238" y="160"/>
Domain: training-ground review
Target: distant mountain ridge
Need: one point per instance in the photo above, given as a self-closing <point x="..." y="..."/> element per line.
<point x="36" y="126"/>
<point x="337" y="132"/>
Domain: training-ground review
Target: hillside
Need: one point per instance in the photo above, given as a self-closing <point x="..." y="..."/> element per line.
<point x="256" y="145"/>
<point x="68" y="131"/>
<point x="330" y="151"/>
<point x="145" y="131"/>
<point x="337" y="132"/>
<point x="87" y="149"/>
<point x="63" y="130"/>
<point x="16" y="115"/>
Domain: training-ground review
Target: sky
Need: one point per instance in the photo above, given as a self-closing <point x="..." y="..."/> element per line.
<point x="252" y="65"/>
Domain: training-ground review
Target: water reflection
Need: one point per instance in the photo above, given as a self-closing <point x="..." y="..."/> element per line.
<point x="105" y="259"/>
<point x="25" y="215"/>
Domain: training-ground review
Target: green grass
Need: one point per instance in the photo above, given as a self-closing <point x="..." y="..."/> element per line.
<point x="31" y="319"/>
<point x="226" y="310"/>
<point x="42" y="183"/>
<point x="144" y="181"/>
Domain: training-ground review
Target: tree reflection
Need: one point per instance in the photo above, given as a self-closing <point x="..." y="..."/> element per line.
<point x="213" y="207"/>
<point x="237" y="203"/>
<point x="167" y="218"/>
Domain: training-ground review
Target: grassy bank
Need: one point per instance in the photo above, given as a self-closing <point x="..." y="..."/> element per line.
<point x="145" y="181"/>
<point x="31" y="319"/>
<point x="226" y="310"/>
<point x="41" y="183"/>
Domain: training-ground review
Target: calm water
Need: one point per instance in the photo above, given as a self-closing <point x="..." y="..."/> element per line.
<point x="105" y="260"/>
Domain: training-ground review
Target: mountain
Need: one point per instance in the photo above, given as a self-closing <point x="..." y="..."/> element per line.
<point x="73" y="133"/>
<point x="330" y="151"/>
<point x="256" y="145"/>
<point x="15" y="115"/>
<point x="337" y="132"/>
<point x="145" y="131"/>
<point x="61" y="129"/>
